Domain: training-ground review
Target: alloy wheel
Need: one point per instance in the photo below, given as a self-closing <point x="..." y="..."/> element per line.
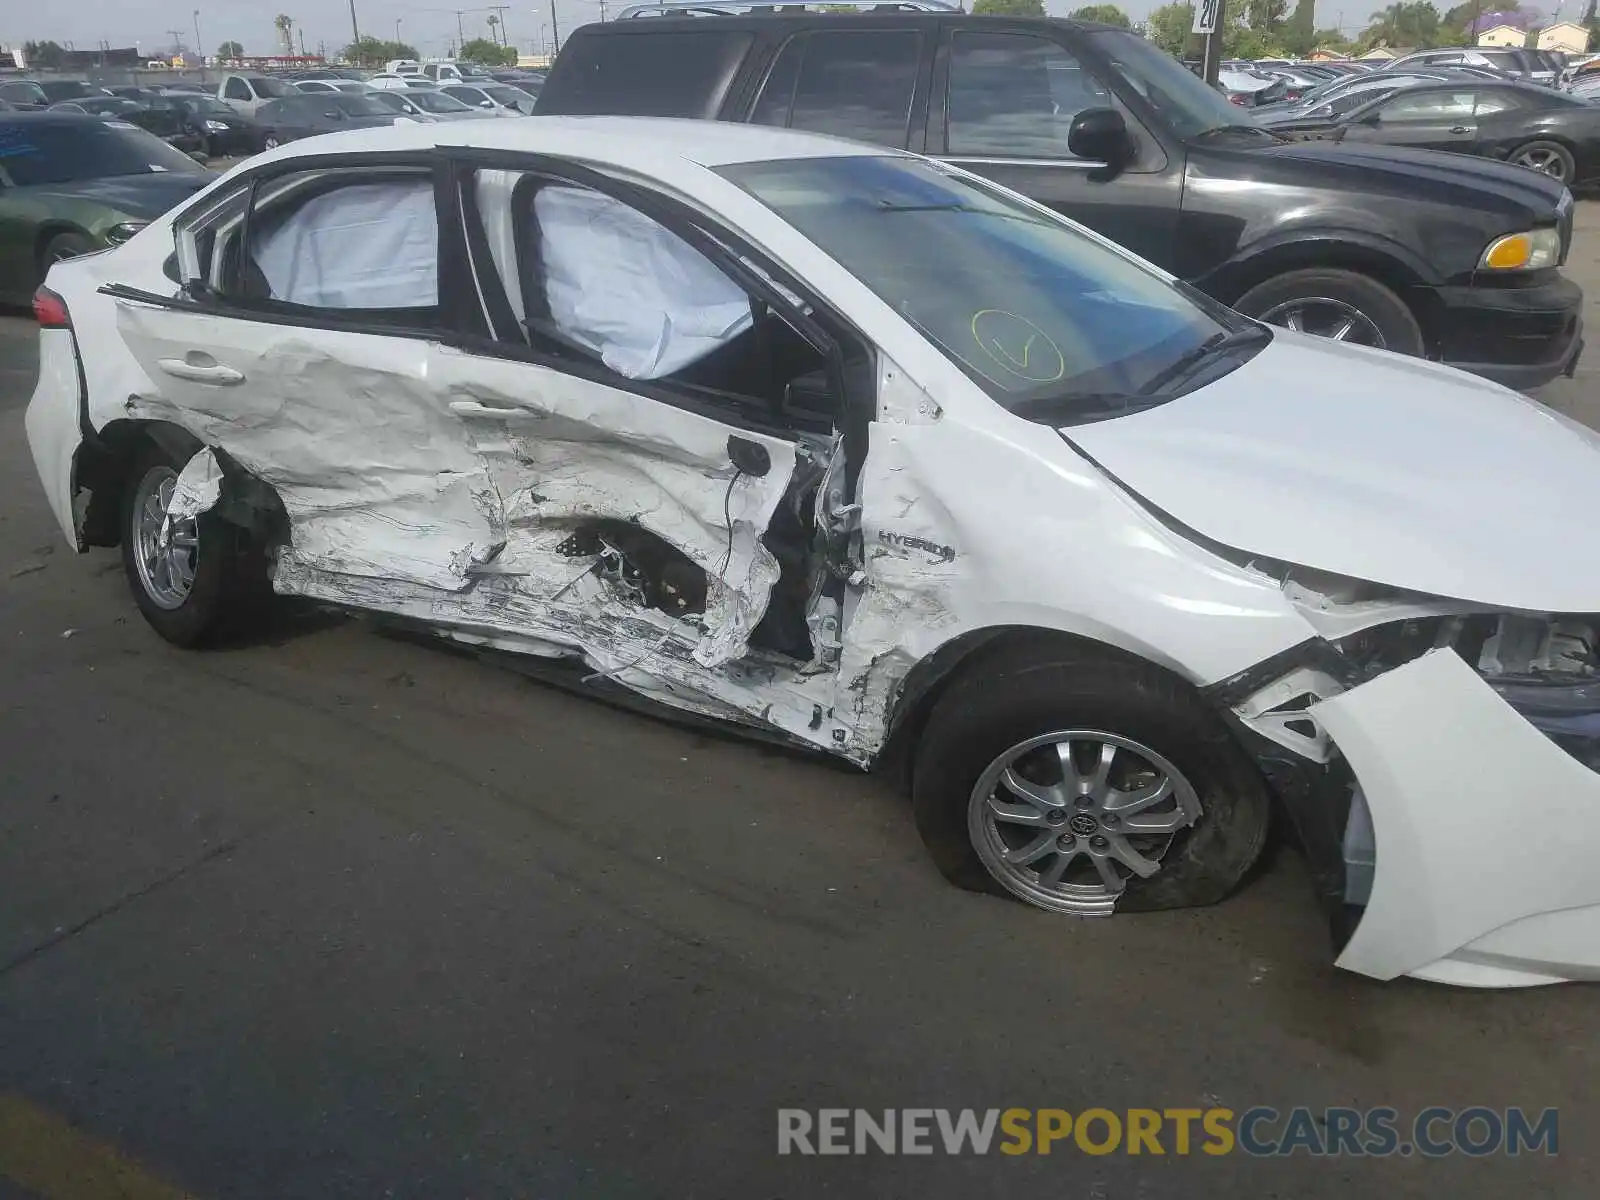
<point x="165" y="551"/>
<point x="1326" y="317"/>
<point x="1066" y="819"/>
<point x="1544" y="160"/>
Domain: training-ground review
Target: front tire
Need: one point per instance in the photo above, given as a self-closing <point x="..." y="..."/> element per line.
<point x="191" y="579"/>
<point x="1334" y="303"/>
<point x="1082" y="783"/>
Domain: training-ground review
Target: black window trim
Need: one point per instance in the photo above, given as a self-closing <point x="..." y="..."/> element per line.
<point x="456" y="317"/>
<point x="827" y="331"/>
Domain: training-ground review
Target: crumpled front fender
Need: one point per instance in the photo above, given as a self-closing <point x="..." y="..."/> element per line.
<point x="1486" y="833"/>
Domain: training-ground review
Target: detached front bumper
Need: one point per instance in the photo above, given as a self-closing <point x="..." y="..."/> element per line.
<point x="1517" y="336"/>
<point x="1486" y="833"/>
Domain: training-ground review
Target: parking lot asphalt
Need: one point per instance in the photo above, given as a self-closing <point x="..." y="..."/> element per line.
<point x="335" y="914"/>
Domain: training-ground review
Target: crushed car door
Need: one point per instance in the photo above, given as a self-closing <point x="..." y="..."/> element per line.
<point x="300" y="344"/>
<point x="652" y="427"/>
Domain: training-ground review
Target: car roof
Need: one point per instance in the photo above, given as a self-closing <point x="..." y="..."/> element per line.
<point x="55" y="117"/>
<point x="613" y="141"/>
<point x="810" y="19"/>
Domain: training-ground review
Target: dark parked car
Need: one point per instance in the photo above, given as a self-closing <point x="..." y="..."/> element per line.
<point x="71" y="183"/>
<point x="306" y="116"/>
<point x="1347" y="95"/>
<point x="223" y="130"/>
<point x="1440" y="255"/>
<point x="157" y="117"/>
<point x="24" y="94"/>
<point x="1531" y="126"/>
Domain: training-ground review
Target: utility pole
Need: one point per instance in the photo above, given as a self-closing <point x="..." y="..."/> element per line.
<point x="1472" y="26"/>
<point x="555" y="30"/>
<point x="355" y="33"/>
<point x="303" y="53"/>
<point x="461" y="35"/>
<point x="177" y="41"/>
<point x="501" y="9"/>
<point x="199" y="46"/>
<point x="602" y="10"/>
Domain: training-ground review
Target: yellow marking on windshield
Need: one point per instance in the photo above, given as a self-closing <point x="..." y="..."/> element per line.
<point x="1018" y="345"/>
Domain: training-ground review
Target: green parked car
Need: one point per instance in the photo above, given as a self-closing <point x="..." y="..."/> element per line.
<point x="71" y="183"/>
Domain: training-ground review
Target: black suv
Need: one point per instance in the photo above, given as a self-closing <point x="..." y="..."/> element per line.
<point x="1426" y="253"/>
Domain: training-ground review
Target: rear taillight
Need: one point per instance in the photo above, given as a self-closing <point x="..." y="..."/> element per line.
<point x="50" y="310"/>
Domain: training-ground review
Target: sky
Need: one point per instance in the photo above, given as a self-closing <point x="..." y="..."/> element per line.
<point x="429" y="25"/>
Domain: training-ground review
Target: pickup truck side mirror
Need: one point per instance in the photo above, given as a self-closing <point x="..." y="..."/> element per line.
<point x="485" y="103"/>
<point x="1101" y="134"/>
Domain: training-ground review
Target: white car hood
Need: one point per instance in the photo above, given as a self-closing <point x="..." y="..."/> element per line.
<point x="1376" y="466"/>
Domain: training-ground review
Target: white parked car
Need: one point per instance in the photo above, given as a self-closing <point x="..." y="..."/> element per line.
<point x="324" y="86"/>
<point x="691" y="410"/>
<point x="399" y="83"/>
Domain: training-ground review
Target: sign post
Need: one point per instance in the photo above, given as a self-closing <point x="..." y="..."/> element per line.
<point x="1208" y="23"/>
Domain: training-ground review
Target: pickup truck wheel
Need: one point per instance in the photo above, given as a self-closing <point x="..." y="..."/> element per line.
<point x="1085" y="785"/>
<point x="1550" y="158"/>
<point x="191" y="579"/>
<point x="1343" y="305"/>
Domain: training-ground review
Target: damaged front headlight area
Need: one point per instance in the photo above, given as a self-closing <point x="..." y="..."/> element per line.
<point x="1544" y="666"/>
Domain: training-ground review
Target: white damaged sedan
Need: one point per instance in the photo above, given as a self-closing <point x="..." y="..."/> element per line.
<point x="854" y="450"/>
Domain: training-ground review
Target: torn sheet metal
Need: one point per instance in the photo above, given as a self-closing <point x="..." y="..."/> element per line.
<point x="198" y="488"/>
<point x="561" y="450"/>
<point x="1485" y="858"/>
<point x="378" y="477"/>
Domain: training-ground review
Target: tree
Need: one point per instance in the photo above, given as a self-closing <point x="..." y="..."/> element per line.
<point x="494" y="29"/>
<point x="1410" y="23"/>
<point x="490" y="54"/>
<point x="1265" y="16"/>
<point x="1170" y="25"/>
<point x="376" y="50"/>
<point x="230" y="50"/>
<point x="1106" y="14"/>
<point x="1299" y="36"/>
<point x="1331" y="39"/>
<point x="1009" y="8"/>
<point x="48" y="55"/>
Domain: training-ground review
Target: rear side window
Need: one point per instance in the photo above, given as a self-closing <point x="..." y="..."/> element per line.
<point x="236" y="89"/>
<point x="683" y="74"/>
<point x="855" y="84"/>
<point x="339" y="241"/>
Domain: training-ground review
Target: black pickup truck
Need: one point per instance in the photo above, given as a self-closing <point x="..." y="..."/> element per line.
<point x="1426" y="253"/>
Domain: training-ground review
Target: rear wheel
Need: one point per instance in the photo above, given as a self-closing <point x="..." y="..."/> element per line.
<point x="270" y="142"/>
<point x="1345" y="306"/>
<point x="1548" y="158"/>
<point x="190" y="578"/>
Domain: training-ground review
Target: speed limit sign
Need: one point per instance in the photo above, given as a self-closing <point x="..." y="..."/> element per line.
<point x="1205" y="16"/>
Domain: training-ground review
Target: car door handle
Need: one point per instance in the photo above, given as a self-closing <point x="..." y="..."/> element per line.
<point x="1460" y="129"/>
<point x="471" y="408"/>
<point x="199" y="367"/>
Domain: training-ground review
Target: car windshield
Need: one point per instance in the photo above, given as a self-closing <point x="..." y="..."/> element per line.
<point x="506" y="95"/>
<point x="44" y="152"/>
<point x="266" y="86"/>
<point x="353" y="106"/>
<point x="1045" y="317"/>
<point x="1180" y="96"/>
<point x="437" y="102"/>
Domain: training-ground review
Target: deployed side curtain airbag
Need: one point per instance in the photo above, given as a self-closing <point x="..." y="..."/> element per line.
<point x="371" y="245"/>
<point x="636" y="294"/>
